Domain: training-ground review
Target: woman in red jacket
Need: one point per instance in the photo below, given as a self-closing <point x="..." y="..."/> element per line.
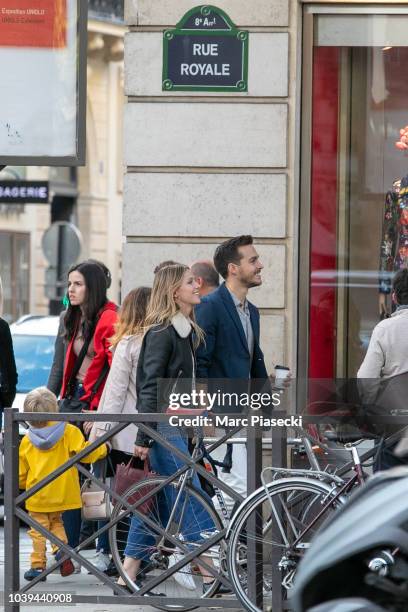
<point x="90" y="317"/>
<point x="89" y="314"/>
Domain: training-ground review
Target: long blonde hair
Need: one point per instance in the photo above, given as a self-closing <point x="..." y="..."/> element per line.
<point x="162" y="306"/>
<point x="131" y="319"/>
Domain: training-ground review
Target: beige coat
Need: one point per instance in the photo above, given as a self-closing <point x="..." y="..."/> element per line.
<point x="119" y="395"/>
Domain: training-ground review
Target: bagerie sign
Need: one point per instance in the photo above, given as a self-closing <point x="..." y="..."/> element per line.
<point x="206" y="52"/>
<point x="24" y="192"/>
<point x="33" y="23"/>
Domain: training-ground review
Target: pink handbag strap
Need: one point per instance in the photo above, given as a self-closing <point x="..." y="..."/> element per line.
<point x="146" y="467"/>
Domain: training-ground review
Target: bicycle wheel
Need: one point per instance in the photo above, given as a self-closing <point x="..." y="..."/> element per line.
<point x="267" y="531"/>
<point x="193" y="521"/>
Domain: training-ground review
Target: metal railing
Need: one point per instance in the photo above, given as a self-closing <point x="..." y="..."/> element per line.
<point x="14" y="512"/>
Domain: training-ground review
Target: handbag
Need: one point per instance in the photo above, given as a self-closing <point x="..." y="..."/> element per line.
<point x="126" y="476"/>
<point x="96" y="503"/>
<point x="76" y="405"/>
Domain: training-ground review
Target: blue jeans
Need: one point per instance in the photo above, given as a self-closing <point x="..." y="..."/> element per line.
<point x="195" y="519"/>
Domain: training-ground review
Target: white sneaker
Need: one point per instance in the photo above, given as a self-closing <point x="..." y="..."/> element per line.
<point x="77" y="566"/>
<point x="183" y="577"/>
<point x="100" y="561"/>
<point x="51" y="561"/>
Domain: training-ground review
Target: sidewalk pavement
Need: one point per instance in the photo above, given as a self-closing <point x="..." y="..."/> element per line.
<point x="78" y="584"/>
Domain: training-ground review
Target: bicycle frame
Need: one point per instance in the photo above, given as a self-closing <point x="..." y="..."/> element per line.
<point x="185" y="479"/>
<point x="345" y="488"/>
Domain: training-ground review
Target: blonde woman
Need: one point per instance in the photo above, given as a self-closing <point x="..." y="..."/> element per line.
<point x="167" y="352"/>
<point x="119" y="394"/>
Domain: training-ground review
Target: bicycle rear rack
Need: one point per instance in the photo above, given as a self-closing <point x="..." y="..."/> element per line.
<point x="312" y="474"/>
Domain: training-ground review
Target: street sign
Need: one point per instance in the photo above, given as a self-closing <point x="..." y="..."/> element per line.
<point x="24" y="192"/>
<point x="205" y="52"/>
<point x="61" y="243"/>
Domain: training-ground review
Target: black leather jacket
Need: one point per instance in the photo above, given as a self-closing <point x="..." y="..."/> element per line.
<point x="8" y="372"/>
<point x="166" y="353"/>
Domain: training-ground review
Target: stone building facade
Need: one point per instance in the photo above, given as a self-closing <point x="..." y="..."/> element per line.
<point x="204" y="167"/>
<point x="90" y="196"/>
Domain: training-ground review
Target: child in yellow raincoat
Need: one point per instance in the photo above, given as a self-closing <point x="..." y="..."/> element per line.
<point x="46" y="447"/>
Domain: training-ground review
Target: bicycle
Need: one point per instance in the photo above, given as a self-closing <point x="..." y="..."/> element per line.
<point x="273" y="526"/>
<point x="306" y="498"/>
<point x="171" y="539"/>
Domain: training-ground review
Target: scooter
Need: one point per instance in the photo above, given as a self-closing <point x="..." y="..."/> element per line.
<point x="359" y="561"/>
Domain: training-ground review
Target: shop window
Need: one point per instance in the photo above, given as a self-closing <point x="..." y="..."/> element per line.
<point x="15" y="274"/>
<point x="358" y="97"/>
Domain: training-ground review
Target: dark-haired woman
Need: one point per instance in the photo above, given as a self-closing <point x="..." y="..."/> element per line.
<point x="54" y="383"/>
<point x="90" y="318"/>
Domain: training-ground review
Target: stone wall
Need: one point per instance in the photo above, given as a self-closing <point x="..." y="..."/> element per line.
<point x="202" y="167"/>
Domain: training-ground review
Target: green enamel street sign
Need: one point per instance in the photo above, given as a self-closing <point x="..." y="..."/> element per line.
<point x="205" y="52"/>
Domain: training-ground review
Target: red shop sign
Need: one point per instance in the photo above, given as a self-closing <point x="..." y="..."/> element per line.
<point x="33" y="23"/>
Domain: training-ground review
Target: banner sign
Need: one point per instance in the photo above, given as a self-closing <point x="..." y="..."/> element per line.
<point x="24" y="192"/>
<point x="43" y="45"/>
<point x="206" y="52"/>
<point x="33" y="23"/>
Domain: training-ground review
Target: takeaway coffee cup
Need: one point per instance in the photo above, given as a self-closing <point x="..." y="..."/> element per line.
<point x="281" y="373"/>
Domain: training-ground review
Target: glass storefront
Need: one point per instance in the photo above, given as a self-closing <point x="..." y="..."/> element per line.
<point x="357" y="210"/>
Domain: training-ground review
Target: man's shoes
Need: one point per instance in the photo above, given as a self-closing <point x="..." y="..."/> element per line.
<point x="33" y="573"/>
<point x="101" y="561"/>
<point x="67" y="567"/>
<point x="220" y="590"/>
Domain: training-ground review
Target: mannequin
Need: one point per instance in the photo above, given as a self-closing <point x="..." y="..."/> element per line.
<point x="394" y="243"/>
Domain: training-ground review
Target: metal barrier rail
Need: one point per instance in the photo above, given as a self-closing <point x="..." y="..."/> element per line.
<point x="13" y="511"/>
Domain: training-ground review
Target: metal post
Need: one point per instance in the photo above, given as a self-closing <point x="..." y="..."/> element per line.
<point x="11" y="522"/>
<point x="254" y="524"/>
<point x="279" y="459"/>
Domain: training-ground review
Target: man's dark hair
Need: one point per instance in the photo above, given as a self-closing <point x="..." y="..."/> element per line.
<point x="206" y="271"/>
<point x="400" y="286"/>
<point x="164" y="264"/>
<point x="227" y="252"/>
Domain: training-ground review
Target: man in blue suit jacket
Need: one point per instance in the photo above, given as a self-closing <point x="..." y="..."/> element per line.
<point x="231" y="325"/>
<point x="229" y="320"/>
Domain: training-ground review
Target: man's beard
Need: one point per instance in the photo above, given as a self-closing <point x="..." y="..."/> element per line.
<point x="250" y="283"/>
